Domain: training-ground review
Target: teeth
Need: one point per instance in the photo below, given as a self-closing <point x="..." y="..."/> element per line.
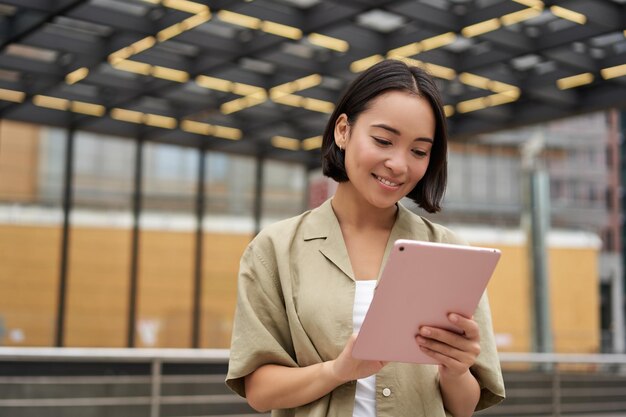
<point x="386" y="182"/>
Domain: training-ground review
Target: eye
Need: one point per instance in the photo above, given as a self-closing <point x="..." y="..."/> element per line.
<point x="381" y="141"/>
<point x="420" y="153"/>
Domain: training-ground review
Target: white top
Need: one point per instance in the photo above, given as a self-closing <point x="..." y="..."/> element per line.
<point x="365" y="399"/>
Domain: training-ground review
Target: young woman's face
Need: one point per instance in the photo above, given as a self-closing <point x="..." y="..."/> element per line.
<point x="387" y="149"/>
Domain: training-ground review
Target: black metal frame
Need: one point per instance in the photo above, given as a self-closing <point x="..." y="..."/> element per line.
<point x="568" y="47"/>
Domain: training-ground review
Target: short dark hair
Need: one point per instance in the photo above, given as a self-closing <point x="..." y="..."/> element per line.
<point x="389" y="75"/>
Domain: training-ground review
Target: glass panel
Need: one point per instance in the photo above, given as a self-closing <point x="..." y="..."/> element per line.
<point x="100" y="244"/>
<point x="167" y="242"/>
<point x="228" y="226"/>
<point x="31" y="178"/>
<point x="283" y="190"/>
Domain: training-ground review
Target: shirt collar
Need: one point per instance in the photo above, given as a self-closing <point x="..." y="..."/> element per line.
<point x="322" y="223"/>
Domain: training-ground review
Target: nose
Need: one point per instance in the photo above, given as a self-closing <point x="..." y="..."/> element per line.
<point x="396" y="162"/>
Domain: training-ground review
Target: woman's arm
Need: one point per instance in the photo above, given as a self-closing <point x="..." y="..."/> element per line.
<point x="456" y="353"/>
<point x="273" y="387"/>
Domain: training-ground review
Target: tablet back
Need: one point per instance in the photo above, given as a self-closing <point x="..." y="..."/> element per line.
<point x="421" y="284"/>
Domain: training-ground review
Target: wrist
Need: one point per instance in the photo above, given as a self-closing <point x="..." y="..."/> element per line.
<point x="329" y="369"/>
<point x="446" y="376"/>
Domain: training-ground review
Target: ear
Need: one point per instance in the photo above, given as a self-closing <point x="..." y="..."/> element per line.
<point x="342" y="131"/>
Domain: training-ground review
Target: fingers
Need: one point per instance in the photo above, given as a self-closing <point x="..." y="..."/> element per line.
<point x="469" y="326"/>
<point x="451" y="349"/>
<point x="466" y="352"/>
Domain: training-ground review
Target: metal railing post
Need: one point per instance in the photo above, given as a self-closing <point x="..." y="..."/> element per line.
<point x="155" y="397"/>
<point x="556" y="391"/>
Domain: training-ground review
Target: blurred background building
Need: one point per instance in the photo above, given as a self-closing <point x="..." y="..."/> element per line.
<point x="143" y="143"/>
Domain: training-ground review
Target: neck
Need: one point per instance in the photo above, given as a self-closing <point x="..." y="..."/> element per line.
<point x="354" y="212"/>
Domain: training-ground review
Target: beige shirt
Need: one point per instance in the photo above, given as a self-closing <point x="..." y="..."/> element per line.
<point x="294" y="308"/>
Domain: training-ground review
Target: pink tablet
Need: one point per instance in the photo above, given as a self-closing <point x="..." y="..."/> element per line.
<point x="421" y="284"/>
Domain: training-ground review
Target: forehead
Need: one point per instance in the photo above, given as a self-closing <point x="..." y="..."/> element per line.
<point x="402" y="110"/>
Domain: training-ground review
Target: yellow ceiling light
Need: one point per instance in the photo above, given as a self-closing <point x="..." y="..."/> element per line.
<point x="521" y="16"/>
<point x="239" y="19"/>
<point x="472" y="105"/>
<point x="133" y="66"/>
<point x="440" y="71"/>
<point x="51" y="102"/>
<point x="120" y="55"/>
<point x="448" y="109"/>
<point x="363" y="64"/>
<point x="437" y="41"/>
<point x="12" y="95"/>
<point x="284" y="142"/>
<point x="474" y="80"/>
<point x="503" y="98"/>
<point x="314" y="104"/>
<point x="170" y="74"/>
<point x="613" y="72"/>
<point x="531" y="3"/>
<point x="309" y="144"/>
<point x="87" y="108"/>
<point x="156" y="120"/>
<point x="244" y="102"/>
<point x="196" y="20"/>
<point x="481" y="28"/>
<point x="143" y="44"/>
<point x="245" y="89"/>
<point x="309" y="81"/>
<point x="76" y="75"/>
<point x="286" y="99"/>
<point x="300" y="84"/>
<point x="170" y="32"/>
<point x="125" y="115"/>
<point x="187" y="24"/>
<point x="433" y="69"/>
<point x="227" y="133"/>
<point x="199" y="128"/>
<point x="574" y="81"/>
<point x="213" y="83"/>
<point x="568" y="14"/>
<point x="185" y="6"/>
<point x="328" y="42"/>
<point x="500" y="87"/>
<point x="405" y="51"/>
<point x="277" y="92"/>
<point x="281" y="30"/>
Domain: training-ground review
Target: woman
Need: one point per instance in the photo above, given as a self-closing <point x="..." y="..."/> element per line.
<point x="306" y="282"/>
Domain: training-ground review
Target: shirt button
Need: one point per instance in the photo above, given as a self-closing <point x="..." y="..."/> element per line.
<point x="386" y="392"/>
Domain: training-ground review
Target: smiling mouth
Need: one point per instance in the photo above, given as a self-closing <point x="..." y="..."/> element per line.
<point x="386" y="182"/>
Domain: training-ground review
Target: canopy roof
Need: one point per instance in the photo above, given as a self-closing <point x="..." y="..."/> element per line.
<point x="260" y="77"/>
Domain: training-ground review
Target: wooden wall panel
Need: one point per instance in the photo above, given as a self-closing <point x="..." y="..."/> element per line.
<point x="509" y="297"/>
<point x="98" y="289"/>
<point x="164" y="308"/>
<point x="574" y="297"/>
<point x="219" y="295"/>
<point x="98" y="282"/>
<point x="29" y="274"/>
<point x="574" y="293"/>
<point x="18" y="161"/>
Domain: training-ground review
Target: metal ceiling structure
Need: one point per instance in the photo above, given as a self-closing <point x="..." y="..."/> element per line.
<point x="260" y="77"/>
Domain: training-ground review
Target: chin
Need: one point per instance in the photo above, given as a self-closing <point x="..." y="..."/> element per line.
<point x="383" y="203"/>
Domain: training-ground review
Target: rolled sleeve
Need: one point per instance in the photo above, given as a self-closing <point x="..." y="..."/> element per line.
<point x="487" y="367"/>
<point x="261" y="329"/>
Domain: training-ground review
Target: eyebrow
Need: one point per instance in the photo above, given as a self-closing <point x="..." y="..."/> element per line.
<point x="397" y="132"/>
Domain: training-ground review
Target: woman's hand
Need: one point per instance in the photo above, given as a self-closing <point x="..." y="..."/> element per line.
<point x="346" y="368"/>
<point x="456" y="353"/>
